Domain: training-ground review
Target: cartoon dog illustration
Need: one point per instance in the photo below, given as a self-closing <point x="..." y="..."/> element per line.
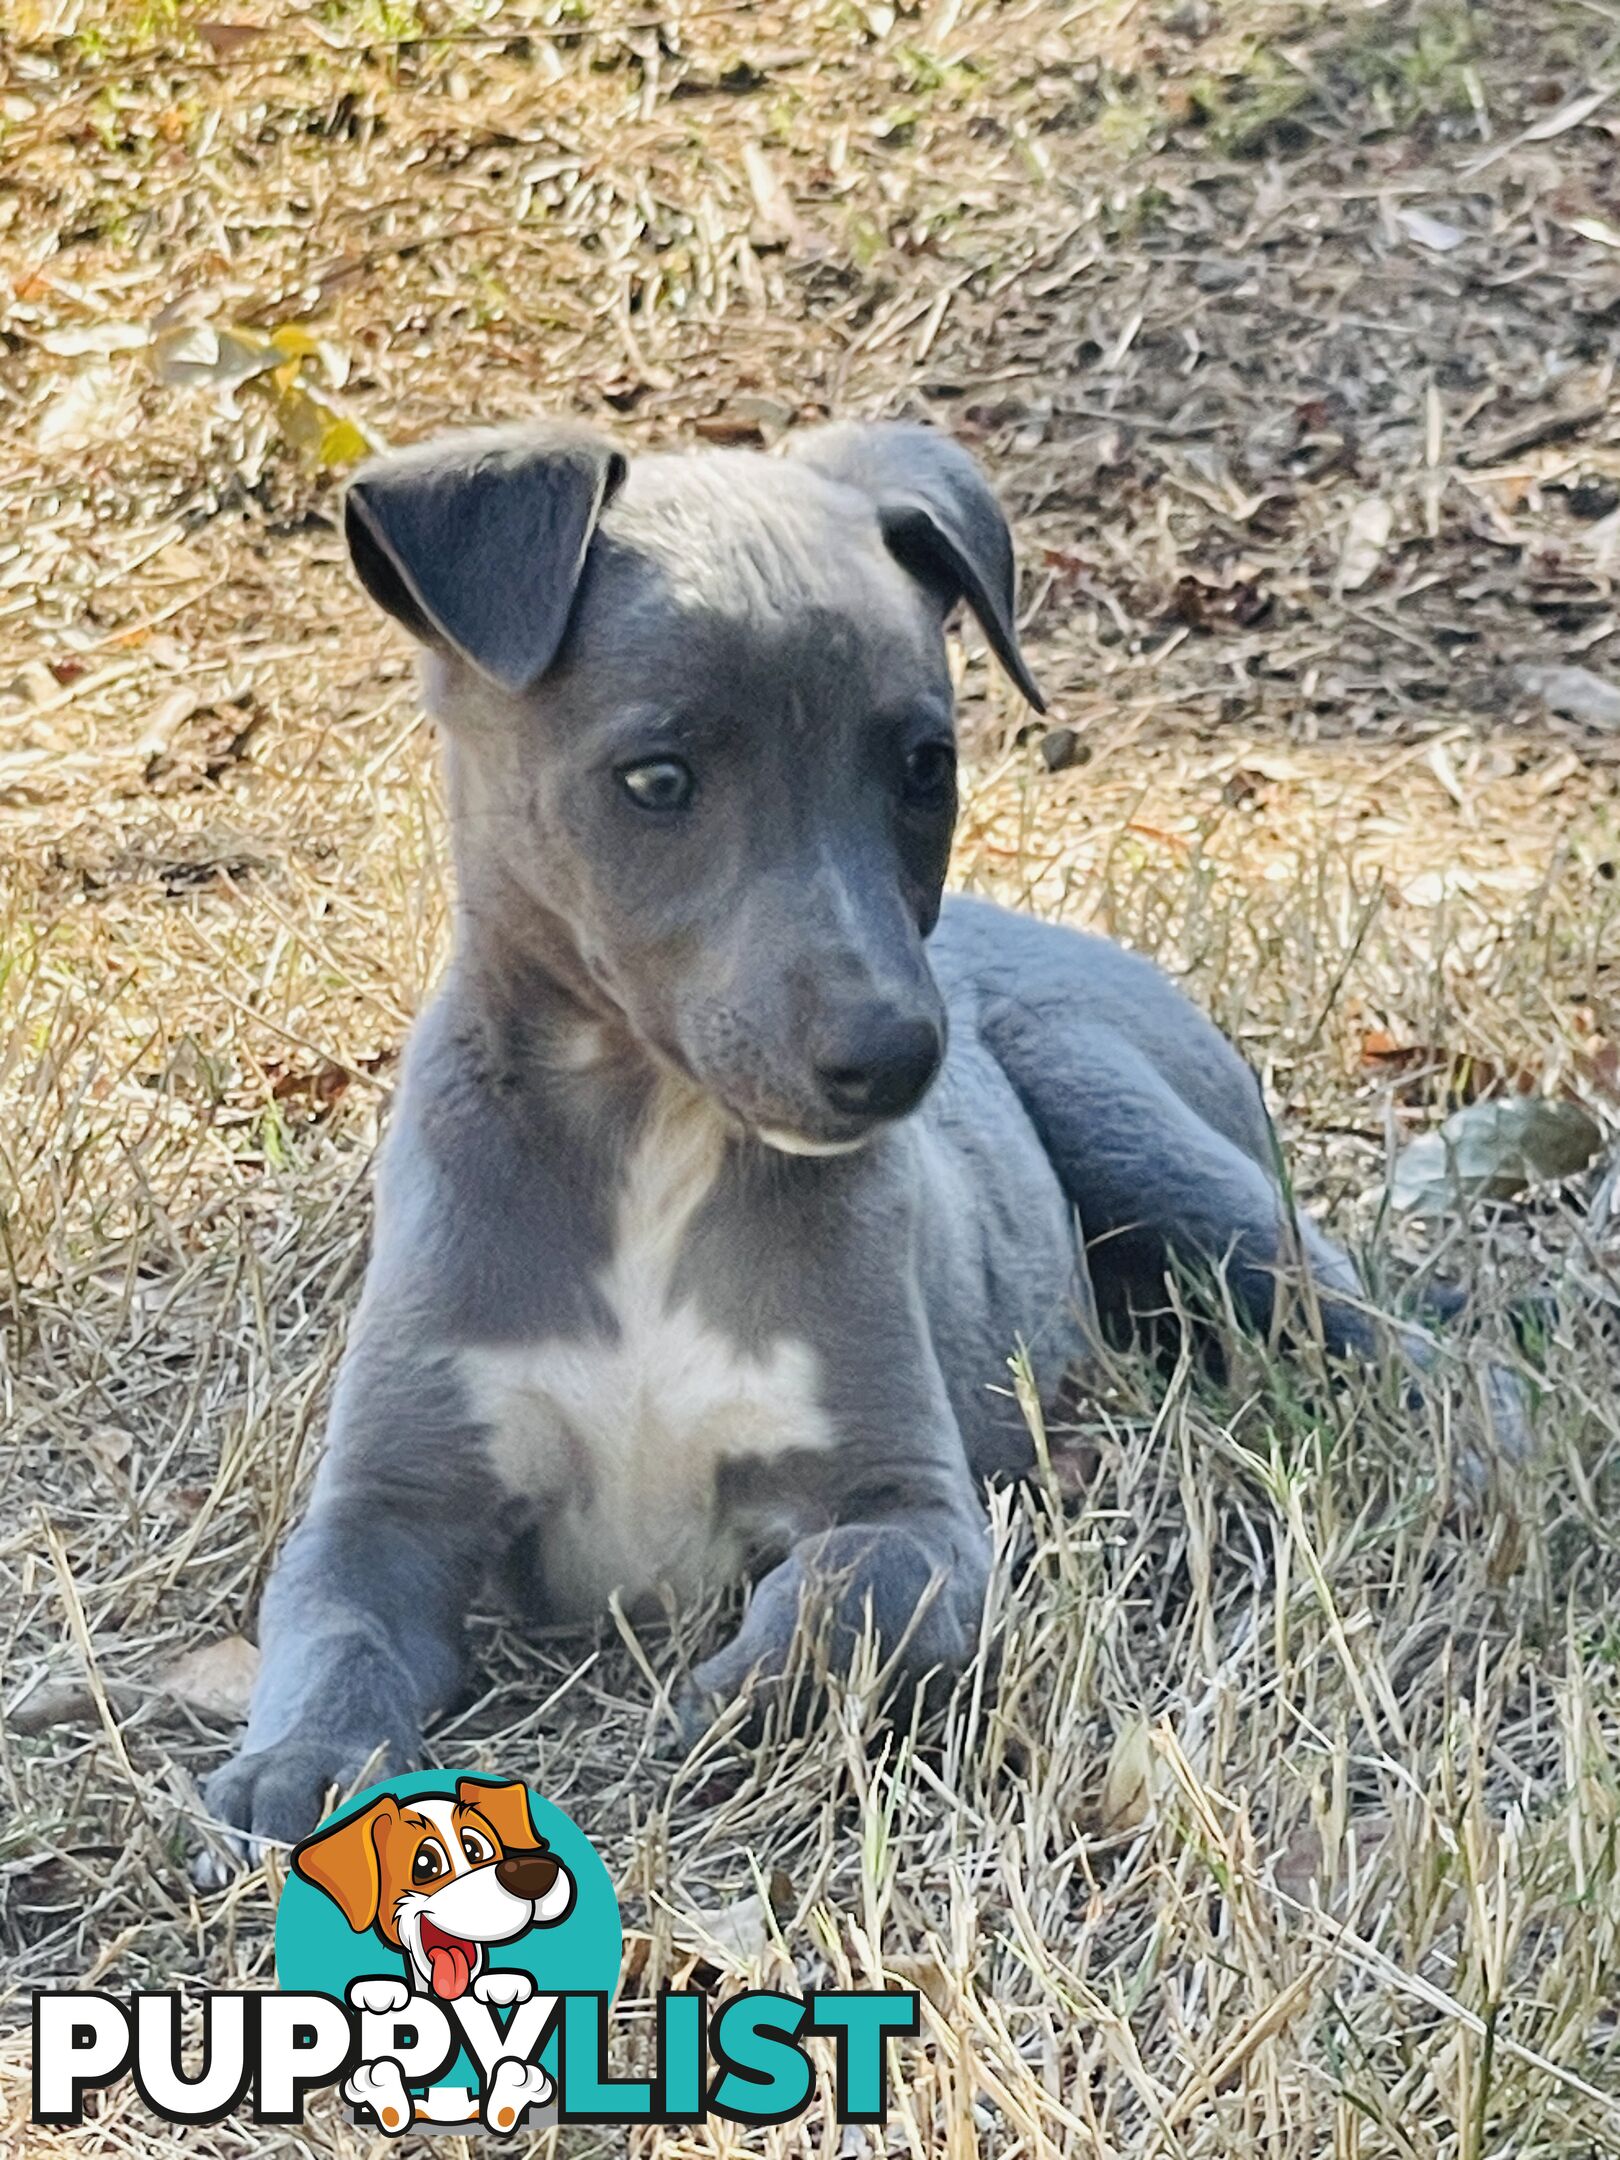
<point x="439" y="1877"/>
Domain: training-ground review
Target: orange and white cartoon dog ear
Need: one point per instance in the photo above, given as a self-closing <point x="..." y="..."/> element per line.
<point x="505" y="1807"/>
<point x="344" y="1862"/>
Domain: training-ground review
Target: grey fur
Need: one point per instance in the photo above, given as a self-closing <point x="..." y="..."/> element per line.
<point x="778" y="623"/>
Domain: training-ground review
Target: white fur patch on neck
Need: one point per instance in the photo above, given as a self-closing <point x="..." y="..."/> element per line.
<point x="619" y="1439"/>
<point x="668" y="1175"/>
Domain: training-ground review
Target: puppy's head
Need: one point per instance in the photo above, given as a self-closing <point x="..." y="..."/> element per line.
<point x="439" y="1876"/>
<point x="703" y="731"/>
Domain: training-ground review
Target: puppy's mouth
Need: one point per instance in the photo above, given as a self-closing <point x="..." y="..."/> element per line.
<point x="787" y="1142"/>
<point x="450" y="1959"/>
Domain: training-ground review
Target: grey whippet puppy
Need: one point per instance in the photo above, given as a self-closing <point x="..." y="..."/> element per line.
<point x="729" y="1164"/>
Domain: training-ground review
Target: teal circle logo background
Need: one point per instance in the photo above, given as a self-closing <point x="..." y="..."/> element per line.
<point x="318" y="1952"/>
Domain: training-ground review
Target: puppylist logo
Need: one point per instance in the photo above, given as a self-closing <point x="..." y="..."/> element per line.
<point x="447" y="1946"/>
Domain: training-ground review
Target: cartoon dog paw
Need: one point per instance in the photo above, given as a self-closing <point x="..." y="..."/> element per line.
<point x="379" y="2087"/>
<point x="502" y="1989"/>
<point x="378" y="1996"/>
<point x="513" y="2090"/>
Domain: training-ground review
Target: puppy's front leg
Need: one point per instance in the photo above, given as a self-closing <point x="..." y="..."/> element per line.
<point x="912" y="1570"/>
<point x="360" y="1629"/>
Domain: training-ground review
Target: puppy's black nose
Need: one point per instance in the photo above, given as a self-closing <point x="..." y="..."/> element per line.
<point x="874" y="1062"/>
<point x="526" y="1874"/>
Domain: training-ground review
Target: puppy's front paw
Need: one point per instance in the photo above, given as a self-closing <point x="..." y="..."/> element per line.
<point x="276" y="1795"/>
<point x="741" y="1687"/>
<point x="502" y="1988"/>
<point x="380" y="1997"/>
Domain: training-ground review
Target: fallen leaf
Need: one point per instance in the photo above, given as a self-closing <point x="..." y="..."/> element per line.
<point x="110" y="1445"/>
<point x="779" y="223"/>
<point x="1302" y="1861"/>
<point x="320" y="1089"/>
<point x="1127" y="1794"/>
<point x="100" y="339"/>
<point x="1420" y="1071"/>
<point x="295" y="343"/>
<point x="1430" y="232"/>
<point x="925" y="1975"/>
<point x="736" y="1934"/>
<point x="772" y="416"/>
<point x="217" y="1678"/>
<point x="1493" y="1150"/>
<point x="739" y="1932"/>
<point x="225" y="38"/>
<point x="1570" y="115"/>
<point x="313" y="424"/>
<point x="1365" y="538"/>
<point x="196" y="355"/>
<point x="1599" y="1063"/>
<point x="1598" y="229"/>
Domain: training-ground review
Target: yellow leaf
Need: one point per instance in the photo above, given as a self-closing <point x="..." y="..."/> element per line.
<point x="218" y="1677"/>
<point x="295" y="341"/>
<point x="342" y="443"/>
<point x="312" y="424"/>
<point x="1127" y="1794"/>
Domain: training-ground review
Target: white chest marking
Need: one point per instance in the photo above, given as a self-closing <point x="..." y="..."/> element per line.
<point x="620" y="1439"/>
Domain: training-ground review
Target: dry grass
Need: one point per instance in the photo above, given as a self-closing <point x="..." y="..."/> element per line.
<point x="1290" y="1823"/>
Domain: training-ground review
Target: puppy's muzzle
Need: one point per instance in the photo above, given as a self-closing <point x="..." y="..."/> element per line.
<point x="875" y="1062"/>
<point x="528" y="1875"/>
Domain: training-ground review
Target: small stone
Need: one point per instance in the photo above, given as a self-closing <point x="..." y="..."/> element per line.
<point x="1194" y="19"/>
<point x="1061" y="747"/>
<point x="1220" y="273"/>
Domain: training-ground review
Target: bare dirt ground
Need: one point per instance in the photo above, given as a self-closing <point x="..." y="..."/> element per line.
<point x="1290" y="1825"/>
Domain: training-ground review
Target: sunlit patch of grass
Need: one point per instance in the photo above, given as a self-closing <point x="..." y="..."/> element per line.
<point x="381" y="20"/>
<point x="1417" y="65"/>
<point x="1257" y="101"/>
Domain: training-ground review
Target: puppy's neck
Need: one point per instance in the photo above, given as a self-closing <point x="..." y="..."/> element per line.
<point x="554" y="1033"/>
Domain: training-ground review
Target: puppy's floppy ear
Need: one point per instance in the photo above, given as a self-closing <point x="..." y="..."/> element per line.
<point x="476" y="541"/>
<point x="504" y="1805"/>
<point x="344" y="1862"/>
<point x="938" y="517"/>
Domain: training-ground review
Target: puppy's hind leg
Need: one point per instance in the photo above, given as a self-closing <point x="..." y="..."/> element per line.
<point x="1156" y="1186"/>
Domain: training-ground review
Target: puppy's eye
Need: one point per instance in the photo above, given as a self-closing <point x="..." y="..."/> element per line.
<point x="430" y="1862"/>
<point x="478" y="1849"/>
<point x="658" y="783"/>
<point x="930" y="776"/>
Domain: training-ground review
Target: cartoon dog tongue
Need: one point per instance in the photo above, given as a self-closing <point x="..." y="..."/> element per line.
<point x="451" y="1965"/>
